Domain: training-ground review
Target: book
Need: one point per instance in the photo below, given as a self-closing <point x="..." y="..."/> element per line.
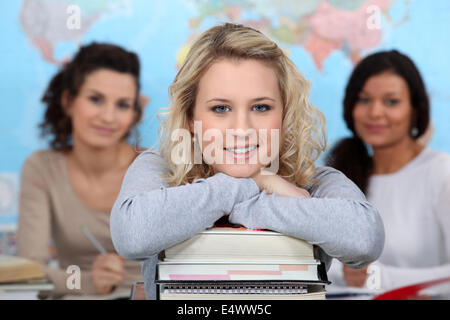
<point x="30" y="285"/>
<point x="241" y="244"/>
<point x="19" y="269"/>
<point x="231" y="270"/>
<point x="241" y="291"/>
<point x="115" y="295"/>
<point x="232" y="263"/>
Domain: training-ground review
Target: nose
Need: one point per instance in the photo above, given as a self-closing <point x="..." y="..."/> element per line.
<point x="243" y="126"/>
<point x="109" y="113"/>
<point x="242" y="120"/>
<point x="376" y="109"/>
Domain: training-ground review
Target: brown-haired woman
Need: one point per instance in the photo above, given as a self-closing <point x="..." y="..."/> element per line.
<point x="387" y="109"/>
<point x="93" y="106"/>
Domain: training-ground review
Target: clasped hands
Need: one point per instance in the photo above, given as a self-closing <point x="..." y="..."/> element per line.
<point x="273" y="183"/>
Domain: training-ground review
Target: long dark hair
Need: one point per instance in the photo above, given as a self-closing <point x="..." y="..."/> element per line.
<point x="350" y="155"/>
<point x="57" y="124"/>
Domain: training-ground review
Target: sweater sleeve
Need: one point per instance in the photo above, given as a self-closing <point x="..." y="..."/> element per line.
<point x="149" y="216"/>
<point x="337" y="218"/>
<point x="34" y="230"/>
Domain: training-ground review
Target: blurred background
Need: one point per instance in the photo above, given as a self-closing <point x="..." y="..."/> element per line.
<point x="325" y="38"/>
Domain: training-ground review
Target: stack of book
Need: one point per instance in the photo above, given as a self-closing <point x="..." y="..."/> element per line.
<point x="21" y="274"/>
<point x="231" y="263"/>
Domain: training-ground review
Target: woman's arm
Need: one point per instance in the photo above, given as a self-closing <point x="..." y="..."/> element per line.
<point x="34" y="231"/>
<point x="386" y="277"/>
<point x="389" y="276"/>
<point x="149" y="216"/>
<point x="337" y="218"/>
<point x="394" y="277"/>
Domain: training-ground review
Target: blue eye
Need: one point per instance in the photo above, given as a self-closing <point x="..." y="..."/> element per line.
<point x="261" y="107"/>
<point x="220" y="109"/>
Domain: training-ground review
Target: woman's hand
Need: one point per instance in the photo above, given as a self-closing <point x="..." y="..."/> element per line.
<point x="275" y="184"/>
<point x="107" y="272"/>
<point x="355" y="277"/>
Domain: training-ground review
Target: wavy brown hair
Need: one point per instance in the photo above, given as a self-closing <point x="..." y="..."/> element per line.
<point x="57" y="124"/>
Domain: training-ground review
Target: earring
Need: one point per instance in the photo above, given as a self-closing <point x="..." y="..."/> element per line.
<point x="414" y="131"/>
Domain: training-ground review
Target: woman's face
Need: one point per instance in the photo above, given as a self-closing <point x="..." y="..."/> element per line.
<point x="239" y="105"/>
<point x="383" y="112"/>
<point x="103" y="111"/>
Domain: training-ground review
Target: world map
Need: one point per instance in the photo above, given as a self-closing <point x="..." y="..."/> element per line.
<point x="318" y="26"/>
<point x="324" y="38"/>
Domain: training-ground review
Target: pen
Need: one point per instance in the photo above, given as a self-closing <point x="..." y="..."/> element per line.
<point x="93" y="240"/>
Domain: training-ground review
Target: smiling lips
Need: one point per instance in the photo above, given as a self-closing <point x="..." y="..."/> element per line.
<point x="103" y="131"/>
<point x="243" y="152"/>
<point x="375" y="129"/>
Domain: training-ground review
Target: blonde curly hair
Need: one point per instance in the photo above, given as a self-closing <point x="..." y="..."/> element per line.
<point x="303" y="134"/>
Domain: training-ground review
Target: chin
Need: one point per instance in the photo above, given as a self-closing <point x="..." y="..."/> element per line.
<point x="238" y="170"/>
<point x="376" y="143"/>
<point x="98" y="144"/>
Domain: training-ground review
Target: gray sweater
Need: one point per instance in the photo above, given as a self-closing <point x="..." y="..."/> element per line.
<point x="149" y="216"/>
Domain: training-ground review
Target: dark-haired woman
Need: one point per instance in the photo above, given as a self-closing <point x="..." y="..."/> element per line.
<point x="92" y="107"/>
<point x="387" y="109"/>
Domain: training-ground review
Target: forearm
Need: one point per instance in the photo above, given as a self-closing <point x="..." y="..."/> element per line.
<point x="146" y="223"/>
<point x="69" y="283"/>
<point x="348" y="230"/>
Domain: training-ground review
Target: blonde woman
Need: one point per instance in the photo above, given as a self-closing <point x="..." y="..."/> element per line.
<point x="235" y="88"/>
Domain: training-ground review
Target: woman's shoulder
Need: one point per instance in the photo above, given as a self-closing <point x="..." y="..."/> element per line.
<point x="43" y="158"/>
<point x="149" y="159"/>
<point x="325" y="172"/>
<point x="437" y="157"/>
<point x="433" y="163"/>
<point x="328" y="180"/>
<point x="44" y="166"/>
<point x="148" y="154"/>
<point x="437" y="164"/>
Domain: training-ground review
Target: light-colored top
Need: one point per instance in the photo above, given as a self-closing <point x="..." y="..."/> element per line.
<point x="49" y="209"/>
<point x="149" y="216"/>
<point x="414" y="203"/>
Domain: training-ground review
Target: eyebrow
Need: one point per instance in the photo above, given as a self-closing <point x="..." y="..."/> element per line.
<point x="391" y="93"/>
<point x="101" y="94"/>
<point x="253" y="100"/>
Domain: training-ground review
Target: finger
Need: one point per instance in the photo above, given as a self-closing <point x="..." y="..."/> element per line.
<point x="350" y="270"/>
<point x="305" y="192"/>
<point x="105" y="258"/>
<point x="113" y="263"/>
<point x="108" y="278"/>
<point x="355" y="280"/>
<point x="355" y="284"/>
<point x="356" y="271"/>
